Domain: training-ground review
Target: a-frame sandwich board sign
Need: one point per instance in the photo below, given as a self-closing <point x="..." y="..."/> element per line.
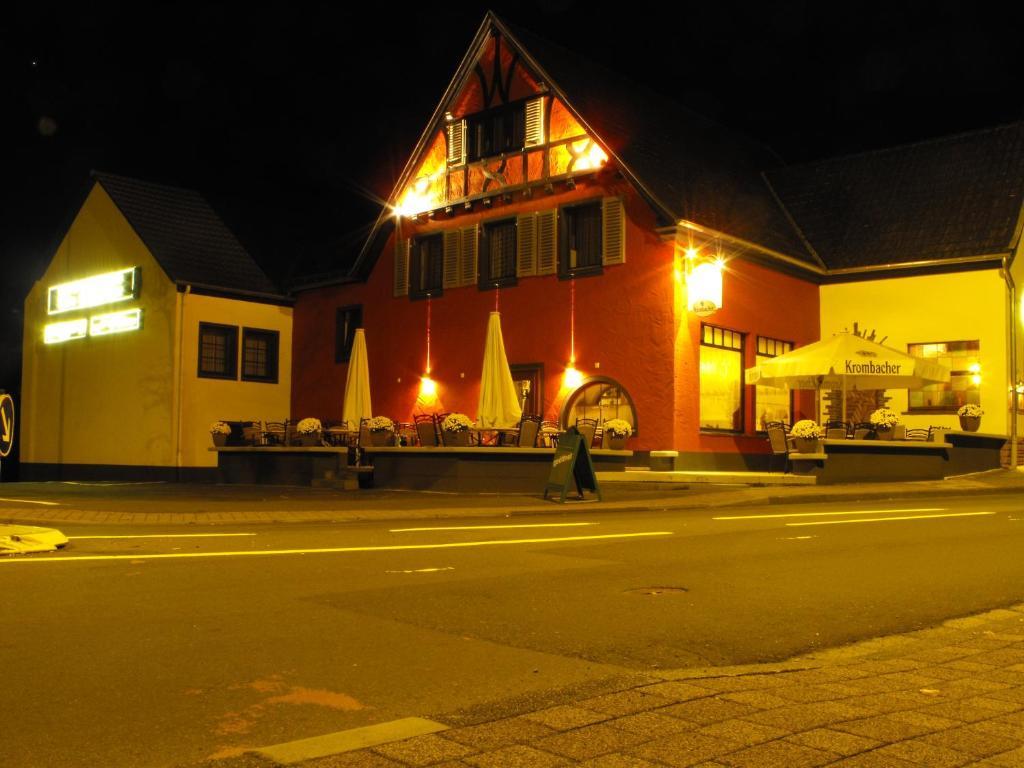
<point x="572" y="464"/>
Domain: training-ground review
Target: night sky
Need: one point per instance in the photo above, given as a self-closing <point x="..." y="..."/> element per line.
<point x="290" y="119"/>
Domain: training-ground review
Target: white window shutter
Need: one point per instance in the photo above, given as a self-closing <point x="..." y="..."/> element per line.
<point x="450" y="268"/>
<point x="526" y="245"/>
<point x="535" y="122"/>
<point x="468" y="255"/>
<point x="613" y="231"/>
<point x="547" y="242"/>
<point x="457" y="142"/>
<point x="401" y="266"/>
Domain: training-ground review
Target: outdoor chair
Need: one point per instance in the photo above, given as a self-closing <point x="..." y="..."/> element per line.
<point x="549" y="432"/>
<point x="916" y="434"/>
<point x="836" y="430"/>
<point x="529" y="428"/>
<point x="426" y="429"/>
<point x="778" y="442"/>
<point x="275" y="432"/>
<point x="587" y="429"/>
<point x="405" y="433"/>
<point x="252" y="432"/>
<point x="935" y="434"/>
<point x="899" y="432"/>
<point x="863" y="431"/>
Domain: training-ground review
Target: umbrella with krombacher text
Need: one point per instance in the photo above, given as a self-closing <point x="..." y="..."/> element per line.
<point x="499" y="399"/>
<point x="356" y="405"/>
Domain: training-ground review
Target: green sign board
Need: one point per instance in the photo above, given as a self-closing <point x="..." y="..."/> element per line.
<point x="572" y="465"/>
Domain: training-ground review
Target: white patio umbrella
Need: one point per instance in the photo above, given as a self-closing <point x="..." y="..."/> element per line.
<point x="356" y="405"/>
<point x="499" y="400"/>
<point x="847" y="361"/>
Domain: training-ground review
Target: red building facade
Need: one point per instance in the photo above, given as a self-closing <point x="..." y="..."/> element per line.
<point x="530" y="198"/>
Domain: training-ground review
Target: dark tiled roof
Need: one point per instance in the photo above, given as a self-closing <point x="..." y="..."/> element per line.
<point x="949" y="198"/>
<point x="185" y="236"/>
<point x="697" y="169"/>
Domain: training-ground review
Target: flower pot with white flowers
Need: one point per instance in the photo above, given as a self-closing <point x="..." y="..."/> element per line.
<point x="882" y="421"/>
<point x="806" y="435"/>
<point x="219" y="431"/>
<point x="456" y="428"/>
<point x="310" y="432"/>
<point x="970" y="417"/>
<point x="618" y="431"/>
<point x="382" y="431"/>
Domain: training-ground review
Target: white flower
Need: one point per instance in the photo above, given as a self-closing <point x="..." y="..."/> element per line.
<point x="884" y="418"/>
<point x="308" y="426"/>
<point x="618" y="428"/>
<point x="971" y="411"/>
<point x="220" y="428"/>
<point x="380" y="424"/>
<point x="807" y="429"/>
<point x="456" y="422"/>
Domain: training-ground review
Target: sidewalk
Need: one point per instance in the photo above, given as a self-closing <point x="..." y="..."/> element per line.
<point x="180" y="503"/>
<point x="947" y="696"/>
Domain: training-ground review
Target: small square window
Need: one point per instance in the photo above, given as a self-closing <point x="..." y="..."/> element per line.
<point x="218" y="351"/>
<point x="259" y="355"/>
<point x="346" y="321"/>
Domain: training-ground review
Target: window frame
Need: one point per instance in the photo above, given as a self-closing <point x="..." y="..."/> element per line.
<point x="484" y="280"/>
<point x="508" y="114"/>
<point x="417" y="291"/>
<point x="759" y="354"/>
<point x="943" y="410"/>
<point x="273" y="355"/>
<point x="343" y="347"/>
<point x="230" y="333"/>
<point x="741" y="351"/>
<point x="565" y="213"/>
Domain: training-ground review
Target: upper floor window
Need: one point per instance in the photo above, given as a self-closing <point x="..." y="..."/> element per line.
<point x="496" y="131"/>
<point x="498" y="257"/>
<point x="346" y="321"/>
<point x="218" y="351"/>
<point x="259" y="355"/>
<point x="426" y="266"/>
<point x="580" y="239"/>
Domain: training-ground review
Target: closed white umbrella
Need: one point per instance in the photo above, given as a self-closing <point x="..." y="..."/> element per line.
<point x="847" y="361"/>
<point x="357" y="384"/>
<point x="499" y="400"/>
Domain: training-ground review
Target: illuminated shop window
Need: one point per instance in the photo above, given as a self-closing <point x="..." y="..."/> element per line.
<point x="115" y="322"/>
<point x="218" y="351"/>
<point x="426" y="267"/>
<point x="721" y="379"/>
<point x="94" y="291"/>
<point x="772" y="403"/>
<point x="346" y="321"/>
<point x="498" y="257"/>
<point x="55" y="333"/>
<point x="963" y="358"/>
<point x="580" y="239"/>
<point x="259" y="355"/>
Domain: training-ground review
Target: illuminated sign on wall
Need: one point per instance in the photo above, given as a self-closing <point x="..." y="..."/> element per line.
<point x="94" y="291"/>
<point x="115" y="322"/>
<point x="97" y="325"/>
<point x="55" y="333"/>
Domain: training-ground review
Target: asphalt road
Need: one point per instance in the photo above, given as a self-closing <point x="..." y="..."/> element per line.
<point x="166" y="647"/>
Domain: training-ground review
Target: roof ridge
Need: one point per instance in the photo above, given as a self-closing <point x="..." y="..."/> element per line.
<point x="935" y="140"/>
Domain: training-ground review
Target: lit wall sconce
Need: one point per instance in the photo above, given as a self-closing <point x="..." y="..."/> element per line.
<point x="975" y="371"/>
<point x="703" y="283"/>
<point x="487" y="202"/>
<point x="468" y="205"/>
<point x="570" y="183"/>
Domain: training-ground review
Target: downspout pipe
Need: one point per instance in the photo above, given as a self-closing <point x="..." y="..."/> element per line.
<point x="1011" y="292"/>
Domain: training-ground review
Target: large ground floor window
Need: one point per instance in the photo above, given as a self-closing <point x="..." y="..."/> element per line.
<point x="963" y="358"/>
<point x="721" y="379"/>
<point x="772" y="403"/>
<point x="599" y="398"/>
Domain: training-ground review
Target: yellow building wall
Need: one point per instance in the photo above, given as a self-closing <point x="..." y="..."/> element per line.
<point x="208" y="400"/>
<point x="106" y="399"/>
<point x="1017" y="272"/>
<point x="932" y="308"/>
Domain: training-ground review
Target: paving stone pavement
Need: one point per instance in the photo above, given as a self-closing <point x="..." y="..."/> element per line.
<point x="947" y="696"/>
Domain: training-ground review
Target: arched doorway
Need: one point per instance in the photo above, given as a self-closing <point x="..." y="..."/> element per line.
<point x="600" y="398"/>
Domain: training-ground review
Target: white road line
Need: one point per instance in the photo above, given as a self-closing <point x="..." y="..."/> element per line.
<point x="890" y="519"/>
<point x="333" y="550"/>
<point x="424" y="570"/>
<point x="825" y="514"/>
<point x="30" y="501"/>
<point x="490" y="527"/>
<point x="796" y="538"/>
<point x="164" y="536"/>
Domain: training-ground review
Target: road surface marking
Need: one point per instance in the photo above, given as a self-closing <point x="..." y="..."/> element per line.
<point x="424" y="570"/>
<point x="30" y="501"/>
<point x="490" y="527"/>
<point x="335" y="550"/>
<point x="890" y="519"/>
<point x="797" y="538"/>
<point x="824" y="514"/>
<point x="163" y="536"/>
<point x="347" y="741"/>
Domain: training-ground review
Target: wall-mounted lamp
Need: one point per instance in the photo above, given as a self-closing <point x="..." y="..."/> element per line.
<point x="703" y="282"/>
